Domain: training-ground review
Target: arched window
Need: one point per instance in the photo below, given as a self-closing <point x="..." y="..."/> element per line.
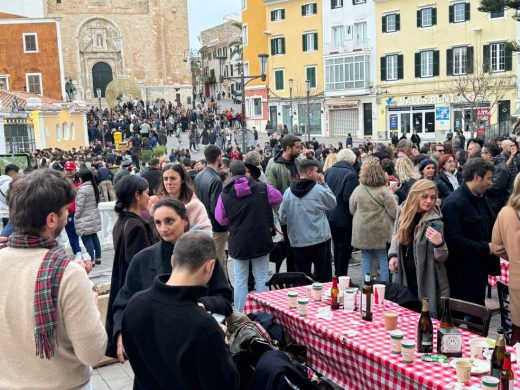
<point x="72" y="130"/>
<point x="59" y="132"/>
<point x="66" y="130"/>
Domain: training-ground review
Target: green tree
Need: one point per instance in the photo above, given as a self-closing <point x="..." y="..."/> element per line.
<point x="489" y="6"/>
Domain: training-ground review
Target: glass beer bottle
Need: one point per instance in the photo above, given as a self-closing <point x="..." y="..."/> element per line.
<point x="507" y="377"/>
<point x="366" y="299"/>
<point x="425" y="330"/>
<point x="499" y="354"/>
<point x="334" y="294"/>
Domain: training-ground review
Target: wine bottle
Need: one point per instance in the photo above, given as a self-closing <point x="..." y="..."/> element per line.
<point x="446" y="320"/>
<point x="499" y="354"/>
<point x="334" y="294"/>
<point x="366" y="299"/>
<point x="507" y="377"/>
<point x="425" y="330"/>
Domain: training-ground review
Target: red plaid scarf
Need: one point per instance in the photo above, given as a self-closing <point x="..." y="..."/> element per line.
<point x="45" y="291"/>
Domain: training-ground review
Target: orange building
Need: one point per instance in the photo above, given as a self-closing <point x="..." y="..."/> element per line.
<point x="30" y="56"/>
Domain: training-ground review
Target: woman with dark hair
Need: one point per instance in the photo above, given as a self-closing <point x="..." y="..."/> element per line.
<point x="448" y="172"/>
<point x="428" y="171"/>
<point x="87" y="220"/>
<point x="171" y="221"/>
<point x="176" y="184"/>
<point x="131" y="234"/>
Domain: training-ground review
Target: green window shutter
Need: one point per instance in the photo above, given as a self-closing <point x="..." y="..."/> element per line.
<point x="469" y="60"/>
<point x="273" y="47"/>
<point x="467" y="11"/>
<point x="272" y="16"/>
<point x="434" y="16"/>
<point x="417" y="65"/>
<point x="449" y="62"/>
<point x="315" y="36"/>
<point x="436" y="62"/>
<point x="400" y="67"/>
<point x="279" y="80"/>
<point x="508" y="58"/>
<point x="419" y="18"/>
<point x="486" y="59"/>
<point x="283" y="45"/>
<point x="383" y="19"/>
<point x="283" y="13"/>
<point x="303" y="10"/>
<point x="383" y="68"/>
<point x="452" y="14"/>
<point x="397" y="22"/>
<point x="304" y="42"/>
<point x="315" y="8"/>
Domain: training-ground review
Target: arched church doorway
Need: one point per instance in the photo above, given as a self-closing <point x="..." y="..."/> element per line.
<point x="101" y="77"/>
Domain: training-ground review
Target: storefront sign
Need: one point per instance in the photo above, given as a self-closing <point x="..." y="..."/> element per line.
<point x="435" y="99"/>
<point x="442" y="115"/>
<point x="344" y="106"/>
<point x="393" y="122"/>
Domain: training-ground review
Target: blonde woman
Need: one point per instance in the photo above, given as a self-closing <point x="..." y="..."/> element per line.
<point x="329" y="161"/>
<point x="374" y="209"/>
<point x="506" y="244"/>
<point x="407" y="175"/>
<point x="418" y="250"/>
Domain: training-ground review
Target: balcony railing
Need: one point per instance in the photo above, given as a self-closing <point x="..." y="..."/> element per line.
<point x="348" y="46"/>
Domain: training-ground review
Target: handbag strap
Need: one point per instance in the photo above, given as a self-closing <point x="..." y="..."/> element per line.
<point x="372" y="196"/>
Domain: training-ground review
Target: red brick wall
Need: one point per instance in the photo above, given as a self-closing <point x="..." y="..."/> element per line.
<point x="15" y="63"/>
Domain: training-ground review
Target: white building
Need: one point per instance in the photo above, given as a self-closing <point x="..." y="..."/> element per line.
<point x="349" y="56"/>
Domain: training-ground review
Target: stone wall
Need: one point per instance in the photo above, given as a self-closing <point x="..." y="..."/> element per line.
<point x="146" y="40"/>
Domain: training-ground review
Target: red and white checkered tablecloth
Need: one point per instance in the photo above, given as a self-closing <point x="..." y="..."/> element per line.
<point x="504" y="274"/>
<point x="364" y="361"/>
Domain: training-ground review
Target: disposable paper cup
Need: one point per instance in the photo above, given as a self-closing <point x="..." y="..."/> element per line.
<point x="303" y="306"/>
<point x="379" y="294"/>
<point x="391" y="320"/>
<point x="463" y="369"/>
<point x="316" y="292"/>
<point x="344" y="282"/>
<point x="490" y="383"/>
<point x="408" y="351"/>
<point x="476" y="348"/>
<point x="396" y="337"/>
<point x="292" y="298"/>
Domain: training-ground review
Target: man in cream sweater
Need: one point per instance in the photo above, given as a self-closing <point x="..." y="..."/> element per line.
<point x="51" y="331"/>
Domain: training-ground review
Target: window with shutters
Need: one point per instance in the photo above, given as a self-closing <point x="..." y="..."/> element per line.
<point x="34" y="83"/>
<point x="336" y="4"/>
<point x="498" y="57"/>
<point x="427" y="63"/>
<point x="277" y="15"/>
<point x="390" y="23"/>
<point x="498" y="13"/>
<point x="279" y="79"/>
<point x="338" y="37"/>
<point x="460" y="61"/>
<point x="309" y="9"/>
<point x="310" y="41"/>
<point x="310" y="74"/>
<point x="391" y="67"/>
<point x="426" y="17"/>
<point x="277" y="46"/>
<point x="460" y="12"/>
<point x="30" y="43"/>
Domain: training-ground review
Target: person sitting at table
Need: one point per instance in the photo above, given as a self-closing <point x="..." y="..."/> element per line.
<point x="418" y="250"/>
<point x="505" y="243"/>
<point x="171" y="221"/>
<point x="303" y="210"/>
<point x="172" y="342"/>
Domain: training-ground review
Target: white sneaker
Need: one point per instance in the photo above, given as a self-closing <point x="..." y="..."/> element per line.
<point x="78" y="256"/>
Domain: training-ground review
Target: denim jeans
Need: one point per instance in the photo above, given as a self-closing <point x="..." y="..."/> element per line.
<point x="71" y="233"/>
<point x="366" y="263"/>
<point x="241" y="269"/>
<point x="91" y="242"/>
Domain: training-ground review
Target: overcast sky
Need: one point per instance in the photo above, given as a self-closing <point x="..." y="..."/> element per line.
<point x="204" y="14"/>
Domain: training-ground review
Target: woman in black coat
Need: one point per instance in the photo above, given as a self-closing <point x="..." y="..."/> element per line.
<point x="171" y="221"/>
<point x="131" y="234"/>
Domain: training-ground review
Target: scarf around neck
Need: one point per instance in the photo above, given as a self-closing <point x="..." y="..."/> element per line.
<point x="46" y="290"/>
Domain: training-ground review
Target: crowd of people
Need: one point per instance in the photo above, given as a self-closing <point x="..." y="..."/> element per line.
<point x="435" y="217"/>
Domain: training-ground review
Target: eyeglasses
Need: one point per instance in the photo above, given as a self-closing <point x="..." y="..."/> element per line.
<point x="440" y="150"/>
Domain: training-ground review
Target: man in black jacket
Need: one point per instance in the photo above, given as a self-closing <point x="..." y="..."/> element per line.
<point x="153" y="175"/>
<point x="171" y="341"/>
<point x="468" y="223"/>
<point x="208" y="187"/>
<point x="499" y="190"/>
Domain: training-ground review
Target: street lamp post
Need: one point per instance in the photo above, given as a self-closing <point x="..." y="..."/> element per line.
<point x="291" y="83"/>
<point x="308" y="125"/>
<point x="98" y="94"/>
<point x="263" y="67"/>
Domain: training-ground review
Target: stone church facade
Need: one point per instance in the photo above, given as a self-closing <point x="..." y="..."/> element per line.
<point x="143" y="40"/>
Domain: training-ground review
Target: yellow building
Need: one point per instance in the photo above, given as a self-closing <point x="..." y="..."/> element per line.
<point x="433" y="59"/>
<point x="29" y="122"/>
<point x="295" y="36"/>
<point x="254" y="43"/>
